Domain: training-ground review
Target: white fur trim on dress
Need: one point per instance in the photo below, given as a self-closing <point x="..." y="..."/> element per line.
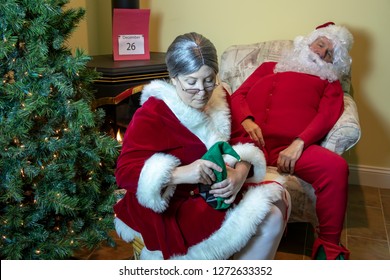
<point x="128" y="234"/>
<point x="252" y="154"/>
<point x="124" y="231"/>
<point x="153" y="190"/>
<point x="239" y="226"/>
<point x="150" y="255"/>
<point x="210" y="126"/>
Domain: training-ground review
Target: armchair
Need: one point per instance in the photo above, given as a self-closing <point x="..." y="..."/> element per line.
<point x="237" y="63"/>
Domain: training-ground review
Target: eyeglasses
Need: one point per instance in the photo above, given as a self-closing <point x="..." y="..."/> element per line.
<point x="207" y="89"/>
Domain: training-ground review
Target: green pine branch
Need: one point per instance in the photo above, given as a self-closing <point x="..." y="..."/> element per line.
<point x="56" y="167"/>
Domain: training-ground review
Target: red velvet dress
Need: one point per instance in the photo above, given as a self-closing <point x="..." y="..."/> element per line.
<point x="165" y="133"/>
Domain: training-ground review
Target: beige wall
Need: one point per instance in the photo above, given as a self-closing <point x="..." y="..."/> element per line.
<point x="228" y="22"/>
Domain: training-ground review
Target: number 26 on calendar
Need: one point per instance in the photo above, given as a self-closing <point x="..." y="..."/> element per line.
<point x="131" y="44"/>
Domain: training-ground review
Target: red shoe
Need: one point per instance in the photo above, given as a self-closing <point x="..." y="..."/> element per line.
<point x="324" y="250"/>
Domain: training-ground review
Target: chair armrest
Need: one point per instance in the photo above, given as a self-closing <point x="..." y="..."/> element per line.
<point x="346" y="132"/>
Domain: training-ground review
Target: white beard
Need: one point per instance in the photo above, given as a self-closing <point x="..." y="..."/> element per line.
<point x="301" y="59"/>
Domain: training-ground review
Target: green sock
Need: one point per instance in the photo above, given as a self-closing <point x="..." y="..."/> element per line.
<point x="321" y="253"/>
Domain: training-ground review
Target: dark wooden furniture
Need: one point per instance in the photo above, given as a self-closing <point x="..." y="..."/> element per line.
<point x="118" y="89"/>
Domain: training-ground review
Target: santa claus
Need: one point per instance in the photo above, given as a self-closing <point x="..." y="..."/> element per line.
<point x="289" y="107"/>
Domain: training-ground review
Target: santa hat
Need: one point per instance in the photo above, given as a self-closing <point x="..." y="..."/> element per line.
<point x="339" y="35"/>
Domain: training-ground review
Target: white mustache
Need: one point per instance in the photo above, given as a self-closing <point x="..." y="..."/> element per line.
<point x="306" y="61"/>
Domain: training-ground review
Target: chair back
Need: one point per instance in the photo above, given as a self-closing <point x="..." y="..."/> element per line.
<point x="239" y="61"/>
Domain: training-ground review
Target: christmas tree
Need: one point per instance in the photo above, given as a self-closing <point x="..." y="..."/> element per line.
<point x="56" y="167"/>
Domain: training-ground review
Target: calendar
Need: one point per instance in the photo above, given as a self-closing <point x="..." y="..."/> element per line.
<point x="130" y="34"/>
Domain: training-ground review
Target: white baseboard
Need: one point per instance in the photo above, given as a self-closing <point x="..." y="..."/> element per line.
<point x="370" y="176"/>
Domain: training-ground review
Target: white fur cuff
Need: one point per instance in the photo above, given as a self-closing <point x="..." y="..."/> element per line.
<point x="154" y="177"/>
<point x="252" y="154"/>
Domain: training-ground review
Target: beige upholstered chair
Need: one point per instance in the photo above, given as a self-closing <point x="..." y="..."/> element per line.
<point x="237" y="63"/>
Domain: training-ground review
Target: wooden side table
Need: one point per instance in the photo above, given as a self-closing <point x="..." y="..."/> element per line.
<point x="118" y="89"/>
